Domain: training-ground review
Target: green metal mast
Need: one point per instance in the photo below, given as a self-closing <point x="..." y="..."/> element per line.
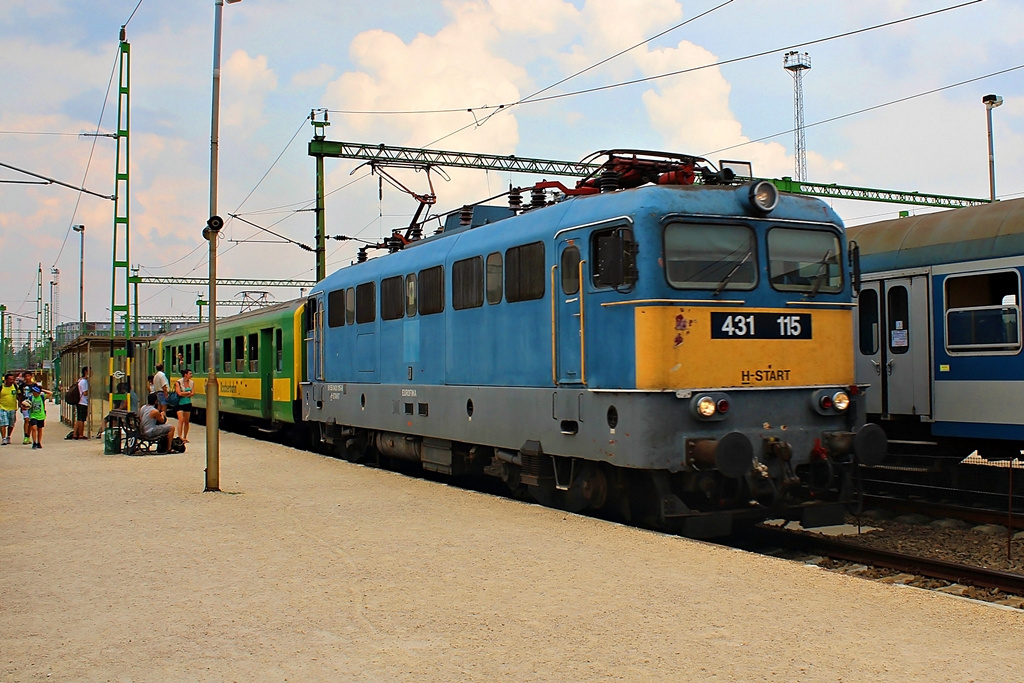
<point x="120" y="283"/>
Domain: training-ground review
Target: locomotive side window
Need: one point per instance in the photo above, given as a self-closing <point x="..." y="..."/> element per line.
<point x="335" y="308"/>
<point x="494" y="278"/>
<point x="468" y="283"/>
<point x="701" y="256"/>
<point x="392" y="298"/>
<point x="310" y="317"/>
<point x="350" y="306"/>
<point x="614" y="263"/>
<point x="410" y="294"/>
<point x="804" y="261"/>
<point x="524" y="272"/>
<point x="431" y="290"/>
<point x="366" y="302"/>
<point x="570" y="269"/>
<point x="983" y="312"/>
<point x="867" y="313"/>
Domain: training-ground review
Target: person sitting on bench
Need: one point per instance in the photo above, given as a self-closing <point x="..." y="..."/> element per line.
<point x="152" y="423"/>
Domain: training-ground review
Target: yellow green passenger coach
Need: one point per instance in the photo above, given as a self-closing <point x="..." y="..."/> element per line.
<point x="259" y="359"/>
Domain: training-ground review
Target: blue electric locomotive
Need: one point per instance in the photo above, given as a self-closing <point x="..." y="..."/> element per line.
<point x="674" y="351"/>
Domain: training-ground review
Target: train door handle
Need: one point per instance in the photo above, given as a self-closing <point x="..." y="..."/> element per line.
<point x="888" y="367"/>
<point x="878" y="368"/>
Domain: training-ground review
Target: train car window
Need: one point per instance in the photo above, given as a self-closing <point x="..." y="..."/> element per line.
<point x="392" y="298"/>
<point x="431" y="290"/>
<point x="804" y="261"/>
<point x="716" y="257"/>
<point x="897" y="301"/>
<point x="254" y="353"/>
<point x="203" y="361"/>
<point x="239" y="354"/>
<point x="524" y="272"/>
<point x="279" y="347"/>
<point x="350" y="305"/>
<point x="188" y="356"/>
<point x="335" y="308"/>
<point x="468" y="283"/>
<point x="614" y="260"/>
<point x="195" y="356"/>
<point x="410" y="294"/>
<point x="226" y="343"/>
<point x="983" y="312"/>
<point x="867" y="323"/>
<point x="310" y="317"/>
<point x="570" y="270"/>
<point x="366" y="302"/>
<point x="494" y="280"/>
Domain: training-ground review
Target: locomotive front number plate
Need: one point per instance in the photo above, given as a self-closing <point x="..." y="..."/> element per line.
<point x="779" y="325"/>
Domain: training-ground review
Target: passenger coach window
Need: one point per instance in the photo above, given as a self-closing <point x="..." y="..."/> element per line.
<point x="804" y="261"/>
<point x="897" y="311"/>
<point x="570" y="269"/>
<point x="494" y="278"/>
<point x="226" y="354"/>
<point x="431" y="290"/>
<point x="366" y="302"/>
<point x="867" y="321"/>
<point x="699" y="256"/>
<point x="254" y="352"/>
<point x="392" y="298"/>
<point x="335" y="308"/>
<point x="239" y="354"/>
<point x="468" y="283"/>
<point x="983" y="312"/>
<point x="524" y="272"/>
<point x="279" y="346"/>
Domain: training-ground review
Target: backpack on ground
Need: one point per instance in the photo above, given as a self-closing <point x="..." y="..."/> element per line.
<point x="73" y="395"/>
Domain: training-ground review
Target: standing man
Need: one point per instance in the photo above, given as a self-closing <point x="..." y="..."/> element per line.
<point x="8" y="408"/>
<point x="83" y="405"/>
<point x="161" y="387"/>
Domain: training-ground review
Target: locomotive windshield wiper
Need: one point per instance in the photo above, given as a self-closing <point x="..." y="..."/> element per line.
<point x="822" y="273"/>
<point x="731" y="273"/>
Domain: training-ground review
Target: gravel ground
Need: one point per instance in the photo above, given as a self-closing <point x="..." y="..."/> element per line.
<point x="308" y="568"/>
<point x="948" y="539"/>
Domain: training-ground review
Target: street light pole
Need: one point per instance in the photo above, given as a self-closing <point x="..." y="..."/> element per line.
<point x="991" y="102"/>
<point x="80" y="229"/>
<point x="210" y="232"/>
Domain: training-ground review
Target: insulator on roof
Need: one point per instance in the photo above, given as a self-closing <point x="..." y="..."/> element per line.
<point x="515" y="200"/>
<point x="608" y="181"/>
<point x="537" y="198"/>
<point x="466" y="215"/>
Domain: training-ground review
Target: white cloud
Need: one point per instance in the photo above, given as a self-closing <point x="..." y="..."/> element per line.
<point x="244" y="88"/>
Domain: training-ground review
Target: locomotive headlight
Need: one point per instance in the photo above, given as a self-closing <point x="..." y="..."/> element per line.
<point x="764" y="197"/>
<point x="841" y="401"/>
<point x="706" y="406"/>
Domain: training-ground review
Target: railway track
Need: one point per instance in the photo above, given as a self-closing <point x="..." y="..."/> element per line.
<point x="1005" y="582"/>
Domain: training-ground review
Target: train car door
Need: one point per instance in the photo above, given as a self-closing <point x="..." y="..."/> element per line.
<point x="894" y="350"/>
<point x="568" y="291"/>
<point x="316" y="329"/>
<point x="265" y="366"/>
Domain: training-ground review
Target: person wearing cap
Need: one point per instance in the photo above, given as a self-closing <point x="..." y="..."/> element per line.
<point x="37" y="414"/>
<point x="25" y="394"/>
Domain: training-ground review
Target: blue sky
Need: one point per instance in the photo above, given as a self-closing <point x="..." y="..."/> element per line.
<point x="283" y="58"/>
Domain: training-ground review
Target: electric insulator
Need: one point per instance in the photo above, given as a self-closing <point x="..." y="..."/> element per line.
<point x="361" y="255"/>
<point x="537" y="198"/>
<point x="515" y="200"/>
<point x="466" y="215"/>
<point x="608" y="181"/>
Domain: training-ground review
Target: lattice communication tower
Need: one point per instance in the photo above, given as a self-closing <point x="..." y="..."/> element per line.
<point x="796" y="63"/>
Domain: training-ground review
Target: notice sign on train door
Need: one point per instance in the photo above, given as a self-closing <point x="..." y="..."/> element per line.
<point x="760" y="325"/>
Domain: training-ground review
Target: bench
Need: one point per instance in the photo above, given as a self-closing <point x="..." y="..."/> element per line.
<point x="132" y="442"/>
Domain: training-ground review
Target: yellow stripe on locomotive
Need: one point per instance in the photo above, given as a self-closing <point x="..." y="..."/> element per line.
<point x="681" y="347"/>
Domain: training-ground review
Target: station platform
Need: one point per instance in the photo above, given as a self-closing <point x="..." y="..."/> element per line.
<point x="310" y="568"/>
